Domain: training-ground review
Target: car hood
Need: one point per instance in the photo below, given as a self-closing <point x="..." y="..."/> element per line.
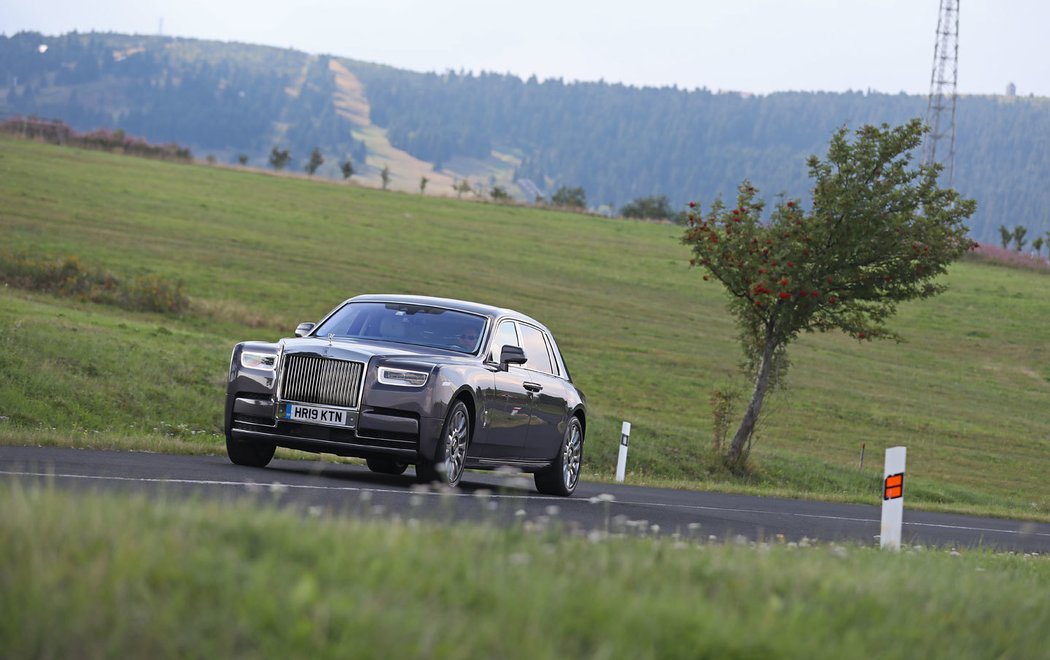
<point x="363" y="351"/>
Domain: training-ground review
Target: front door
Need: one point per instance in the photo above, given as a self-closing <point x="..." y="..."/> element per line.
<point x="507" y="407"/>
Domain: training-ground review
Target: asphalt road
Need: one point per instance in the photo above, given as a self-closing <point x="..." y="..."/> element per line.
<point x="320" y="486"/>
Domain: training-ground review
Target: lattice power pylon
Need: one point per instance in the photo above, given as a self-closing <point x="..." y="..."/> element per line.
<point x="940" y="113"/>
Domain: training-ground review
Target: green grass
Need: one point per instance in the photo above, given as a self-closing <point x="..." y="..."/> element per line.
<point x="92" y="575"/>
<point x="644" y="336"/>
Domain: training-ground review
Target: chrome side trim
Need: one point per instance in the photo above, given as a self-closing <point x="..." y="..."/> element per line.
<point x="508" y="462"/>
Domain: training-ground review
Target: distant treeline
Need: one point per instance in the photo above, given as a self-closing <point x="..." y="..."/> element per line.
<point x="617" y="143"/>
<point x="622" y="143"/>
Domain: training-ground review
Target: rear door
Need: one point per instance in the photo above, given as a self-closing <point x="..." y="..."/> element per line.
<point x="548" y="394"/>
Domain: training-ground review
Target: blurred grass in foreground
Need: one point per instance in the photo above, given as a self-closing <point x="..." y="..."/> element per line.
<point x="93" y="575"/>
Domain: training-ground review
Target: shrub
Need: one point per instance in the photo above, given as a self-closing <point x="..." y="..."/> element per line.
<point x="56" y="132"/>
<point x="68" y="277"/>
<point x="572" y="198"/>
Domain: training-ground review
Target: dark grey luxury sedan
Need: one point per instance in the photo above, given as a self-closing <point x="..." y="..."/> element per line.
<point x="397" y="380"/>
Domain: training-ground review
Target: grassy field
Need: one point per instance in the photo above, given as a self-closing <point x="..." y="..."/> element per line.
<point x="93" y="576"/>
<point x="646" y="339"/>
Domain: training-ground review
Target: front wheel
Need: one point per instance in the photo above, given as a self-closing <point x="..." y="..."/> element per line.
<point x="561" y="477"/>
<point x="252" y="453"/>
<point x="452" y="449"/>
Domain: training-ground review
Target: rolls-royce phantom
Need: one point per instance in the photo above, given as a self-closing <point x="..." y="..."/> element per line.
<point x="440" y="384"/>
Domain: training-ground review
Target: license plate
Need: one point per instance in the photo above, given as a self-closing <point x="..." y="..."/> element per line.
<point x="315" y="415"/>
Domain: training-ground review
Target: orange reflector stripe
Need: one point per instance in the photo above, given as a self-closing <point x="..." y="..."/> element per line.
<point x="894" y="487"/>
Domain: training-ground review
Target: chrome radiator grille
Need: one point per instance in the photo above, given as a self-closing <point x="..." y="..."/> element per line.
<point x="310" y="379"/>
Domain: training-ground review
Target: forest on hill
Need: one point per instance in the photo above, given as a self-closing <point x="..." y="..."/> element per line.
<point x="616" y="142"/>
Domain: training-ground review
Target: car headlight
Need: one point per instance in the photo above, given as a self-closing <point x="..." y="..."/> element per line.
<point x="251" y="360"/>
<point x="403" y="377"/>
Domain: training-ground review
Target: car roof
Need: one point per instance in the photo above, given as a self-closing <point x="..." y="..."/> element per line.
<point x="448" y="303"/>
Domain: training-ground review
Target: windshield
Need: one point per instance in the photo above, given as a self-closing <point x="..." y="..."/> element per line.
<point x="418" y="325"/>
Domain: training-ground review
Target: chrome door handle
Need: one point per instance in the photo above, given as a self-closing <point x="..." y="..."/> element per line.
<point x="533" y="387"/>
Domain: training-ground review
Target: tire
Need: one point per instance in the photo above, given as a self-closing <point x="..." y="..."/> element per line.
<point x="251" y="453"/>
<point x="561" y="477"/>
<point x="386" y="466"/>
<point x="452" y="449"/>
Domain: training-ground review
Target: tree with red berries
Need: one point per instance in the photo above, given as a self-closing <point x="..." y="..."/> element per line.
<point x="880" y="231"/>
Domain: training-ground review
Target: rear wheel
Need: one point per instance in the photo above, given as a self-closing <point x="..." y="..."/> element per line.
<point x="386" y="465"/>
<point x="252" y="453"/>
<point x="561" y="477"/>
<point x="452" y="449"/>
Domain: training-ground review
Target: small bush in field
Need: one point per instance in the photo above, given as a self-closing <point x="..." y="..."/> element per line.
<point x="723" y="407"/>
<point x="154" y="294"/>
<point x="68" y="277"/>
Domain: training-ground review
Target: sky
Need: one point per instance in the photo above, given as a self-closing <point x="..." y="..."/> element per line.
<point x="756" y="46"/>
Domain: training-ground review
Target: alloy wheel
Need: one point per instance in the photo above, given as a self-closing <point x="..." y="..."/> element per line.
<point x="456" y="436"/>
<point x="571" y="455"/>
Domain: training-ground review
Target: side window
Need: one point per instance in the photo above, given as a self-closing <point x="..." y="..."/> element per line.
<point x="505" y="335"/>
<point x="553" y="355"/>
<point x="535" y="350"/>
<point x="559" y="360"/>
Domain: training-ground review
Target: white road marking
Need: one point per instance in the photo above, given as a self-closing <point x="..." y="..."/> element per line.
<point x="827" y="517"/>
<point x="206" y="482"/>
<point x="531" y="497"/>
<point x="273" y="484"/>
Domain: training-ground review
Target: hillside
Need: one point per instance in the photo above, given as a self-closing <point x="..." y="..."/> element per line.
<point x="644" y="336"/>
<point x="229" y="100"/>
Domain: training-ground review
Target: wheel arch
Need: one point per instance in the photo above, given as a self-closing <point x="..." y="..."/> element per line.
<point x="580" y="414"/>
<point x="466" y="395"/>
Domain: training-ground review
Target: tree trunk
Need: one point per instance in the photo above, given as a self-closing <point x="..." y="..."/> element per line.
<point x="735" y="455"/>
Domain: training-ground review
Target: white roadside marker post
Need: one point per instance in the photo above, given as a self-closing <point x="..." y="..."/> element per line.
<point x="621" y="461"/>
<point x="893" y="498"/>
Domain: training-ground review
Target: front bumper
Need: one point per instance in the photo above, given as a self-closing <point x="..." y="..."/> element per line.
<point x="370" y="433"/>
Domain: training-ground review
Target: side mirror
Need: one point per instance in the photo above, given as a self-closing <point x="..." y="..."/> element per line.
<point x="304" y="329"/>
<point x="511" y="355"/>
